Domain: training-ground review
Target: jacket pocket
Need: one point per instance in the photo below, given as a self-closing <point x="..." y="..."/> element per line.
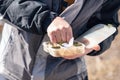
<point x="14" y="59"/>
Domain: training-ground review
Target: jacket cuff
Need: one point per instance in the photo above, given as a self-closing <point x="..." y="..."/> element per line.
<point x="104" y="45"/>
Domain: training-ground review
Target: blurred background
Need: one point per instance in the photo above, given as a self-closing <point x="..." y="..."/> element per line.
<point x="105" y="66"/>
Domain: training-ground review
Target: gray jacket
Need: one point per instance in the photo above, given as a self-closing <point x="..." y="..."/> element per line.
<point x="21" y="54"/>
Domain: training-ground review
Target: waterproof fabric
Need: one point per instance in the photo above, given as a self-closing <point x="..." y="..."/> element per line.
<point x="21" y="53"/>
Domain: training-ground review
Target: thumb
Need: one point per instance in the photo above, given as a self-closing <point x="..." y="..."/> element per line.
<point x="90" y="43"/>
<point x="96" y="47"/>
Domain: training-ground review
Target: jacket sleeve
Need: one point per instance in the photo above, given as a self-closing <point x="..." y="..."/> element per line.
<point x="29" y="15"/>
<point x="93" y="12"/>
<point x="107" y="15"/>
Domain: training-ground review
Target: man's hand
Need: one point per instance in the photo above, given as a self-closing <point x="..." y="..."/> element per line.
<point x="59" y="31"/>
<point x="87" y="49"/>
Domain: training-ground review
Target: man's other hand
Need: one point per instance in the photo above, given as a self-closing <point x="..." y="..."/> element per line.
<point x="59" y="31"/>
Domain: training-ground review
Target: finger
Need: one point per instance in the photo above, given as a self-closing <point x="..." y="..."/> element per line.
<point x="69" y="34"/>
<point x="58" y="36"/>
<point x="52" y="37"/>
<point x="63" y="35"/>
<point x="85" y="41"/>
<point x="96" y="47"/>
<point x="90" y="44"/>
<point x="88" y="50"/>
